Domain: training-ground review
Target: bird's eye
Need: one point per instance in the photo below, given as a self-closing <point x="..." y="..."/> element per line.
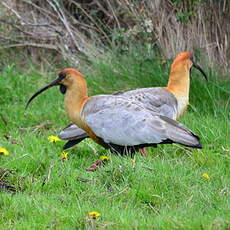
<point x="62" y="76"/>
<point x="62" y="89"/>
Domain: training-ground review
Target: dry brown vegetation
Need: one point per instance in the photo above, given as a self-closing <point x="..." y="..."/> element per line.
<point x="87" y="28"/>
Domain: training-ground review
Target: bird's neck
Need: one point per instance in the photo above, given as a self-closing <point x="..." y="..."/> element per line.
<point x="179" y="82"/>
<point x="75" y="98"/>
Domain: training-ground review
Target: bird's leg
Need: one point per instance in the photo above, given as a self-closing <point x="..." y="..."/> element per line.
<point x="143" y="151"/>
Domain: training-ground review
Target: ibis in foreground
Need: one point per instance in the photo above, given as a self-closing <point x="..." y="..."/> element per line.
<point x="121" y="124"/>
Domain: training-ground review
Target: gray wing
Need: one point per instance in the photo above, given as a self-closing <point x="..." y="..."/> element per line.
<point x="157" y="99"/>
<point x="72" y="132"/>
<point x="126" y="122"/>
<point x="73" y="135"/>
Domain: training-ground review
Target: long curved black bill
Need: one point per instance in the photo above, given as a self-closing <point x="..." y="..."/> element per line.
<point x="53" y="83"/>
<point x="199" y="68"/>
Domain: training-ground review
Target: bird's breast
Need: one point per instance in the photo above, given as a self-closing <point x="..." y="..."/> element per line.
<point x="182" y="105"/>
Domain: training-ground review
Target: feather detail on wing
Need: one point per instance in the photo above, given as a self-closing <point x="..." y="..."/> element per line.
<point x="126" y="122"/>
<point x="156" y="98"/>
<point x="72" y="132"/>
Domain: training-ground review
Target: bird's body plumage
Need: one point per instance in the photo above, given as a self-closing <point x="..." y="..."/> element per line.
<point x="157" y="99"/>
<point x="126" y="121"/>
<point x="170" y="101"/>
<point x="129" y="123"/>
<point x="121" y="123"/>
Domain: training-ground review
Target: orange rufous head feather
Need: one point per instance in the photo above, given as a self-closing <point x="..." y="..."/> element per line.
<point x="73" y="71"/>
<point x="182" y="57"/>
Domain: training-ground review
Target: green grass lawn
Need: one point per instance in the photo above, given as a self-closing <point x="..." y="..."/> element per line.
<point x="163" y="190"/>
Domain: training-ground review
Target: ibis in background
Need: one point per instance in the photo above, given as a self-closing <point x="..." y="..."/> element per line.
<point x="121" y="124"/>
<point x="170" y="101"/>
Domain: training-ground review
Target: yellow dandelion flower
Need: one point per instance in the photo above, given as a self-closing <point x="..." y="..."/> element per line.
<point x="206" y="176"/>
<point x="53" y="139"/>
<point x="64" y="155"/>
<point x="3" y="151"/>
<point x="103" y="158"/>
<point x="133" y="161"/>
<point x="94" y="214"/>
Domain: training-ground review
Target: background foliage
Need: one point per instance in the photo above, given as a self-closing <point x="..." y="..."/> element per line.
<point x="117" y="45"/>
<point x="75" y="29"/>
<point x="163" y="190"/>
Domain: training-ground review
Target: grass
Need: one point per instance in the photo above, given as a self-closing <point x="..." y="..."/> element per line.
<point x="164" y="190"/>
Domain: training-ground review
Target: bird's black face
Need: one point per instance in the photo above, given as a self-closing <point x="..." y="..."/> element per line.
<point x="62" y="89"/>
<point x="56" y="82"/>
